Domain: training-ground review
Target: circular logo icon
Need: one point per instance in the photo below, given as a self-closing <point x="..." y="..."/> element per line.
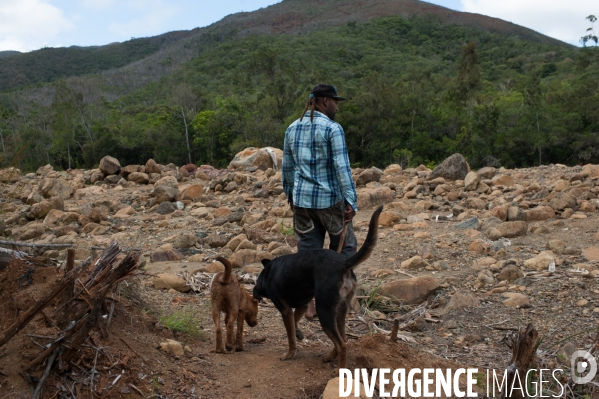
<point x="582" y="362"/>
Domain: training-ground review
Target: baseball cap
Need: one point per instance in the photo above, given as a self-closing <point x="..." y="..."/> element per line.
<point x="324" y="90"/>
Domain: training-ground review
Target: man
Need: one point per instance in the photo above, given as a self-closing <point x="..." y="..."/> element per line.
<point x="317" y="177"/>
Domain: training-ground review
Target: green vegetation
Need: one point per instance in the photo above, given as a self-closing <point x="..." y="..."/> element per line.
<point x="419" y="90"/>
<point x="183" y="321"/>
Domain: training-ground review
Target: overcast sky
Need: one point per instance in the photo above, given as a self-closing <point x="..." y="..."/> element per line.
<point x="27" y="25"/>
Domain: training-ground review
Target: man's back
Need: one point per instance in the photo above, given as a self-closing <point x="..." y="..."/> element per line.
<point x="316" y="170"/>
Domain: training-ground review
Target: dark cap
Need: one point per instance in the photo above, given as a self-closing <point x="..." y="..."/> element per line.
<point x="323" y="90"/>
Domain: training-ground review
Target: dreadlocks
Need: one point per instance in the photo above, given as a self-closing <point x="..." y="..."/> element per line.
<point x="310" y="104"/>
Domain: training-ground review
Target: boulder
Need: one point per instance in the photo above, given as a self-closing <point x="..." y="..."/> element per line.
<point x="127" y="170"/>
<point x="165" y="256"/>
<point x="248" y="256"/>
<point x="487" y="172"/>
<point x="56" y="188"/>
<point x="510" y="273"/>
<point x="540" y="262"/>
<point x="369" y="175"/>
<point x="42" y="208"/>
<point x="512" y="229"/>
<point x="453" y="168"/>
<point x="109" y="165"/>
<point x="165" y="194"/>
<point x="259" y="158"/>
<point x="460" y="300"/>
<point x="139" y="178"/>
<point x="371" y="197"/>
<point x="471" y="181"/>
<point x="539" y="213"/>
<point x="168" y="181"/>
<point x="125" y="212"/>
<point x="516" y="300"/>
<point x="10" y="175"/>
<point x="94" y="215"/>
<point x="331" y="391"/>
<point x="191" y="193"/>
<point x="152" y="167"/>
<point x="410" y="291"/>
<point x="185" y="241"/>
<point x="170" y="281"/>
<point x="32" y="231"/>
<point x="173" y="347"/>
<point x="503" y="180"/>
<point x="165" y="208"/>
<point x="388" y="218"/>
<point x="413" y="263"/>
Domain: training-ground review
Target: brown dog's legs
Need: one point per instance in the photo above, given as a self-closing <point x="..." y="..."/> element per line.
<point x="289" y="322"/>
<point x="218" y="331"/>
<point x="297" y="315"/>
<point x="230" y="321"/>
<point x="239" y="337"/>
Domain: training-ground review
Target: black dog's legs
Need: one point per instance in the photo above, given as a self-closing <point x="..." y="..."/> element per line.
<point x="329" y="321"/>
<point x="297" y="316"/>
<point x="288" y="320"/>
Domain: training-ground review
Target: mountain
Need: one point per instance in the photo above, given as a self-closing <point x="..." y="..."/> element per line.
<point x="422" y="82"/>
<point x="134" y="63"/>
<point x="8" y="53"/>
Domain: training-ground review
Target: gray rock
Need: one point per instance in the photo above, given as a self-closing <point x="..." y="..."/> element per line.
<point x="487" y="172"/>
<point x="453" y="168"/>
<point x="471" y="223"/>
<point x="110" y="165"/>
<point x="165" y="208"/>
<point x="369" y="175"/>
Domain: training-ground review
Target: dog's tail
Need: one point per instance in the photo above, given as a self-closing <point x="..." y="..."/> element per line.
<point x="227" y="275"/>
<point x="369" y="243"/>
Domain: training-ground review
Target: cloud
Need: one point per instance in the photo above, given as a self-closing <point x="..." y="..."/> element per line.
<point x="154" y="19"/>
<point x="98" y="4"/>
<point x="29" y="24"/>
<point x="563" y="20"/>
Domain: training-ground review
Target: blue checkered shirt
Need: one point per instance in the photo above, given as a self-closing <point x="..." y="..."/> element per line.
<point x="315" y="164"/>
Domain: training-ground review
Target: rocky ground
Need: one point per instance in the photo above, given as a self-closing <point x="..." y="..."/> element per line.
<point x="464" y="258"/>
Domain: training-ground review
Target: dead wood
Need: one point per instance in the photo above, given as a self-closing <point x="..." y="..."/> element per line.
<point x="523" y="353"/>
<point x="26" y="317"/>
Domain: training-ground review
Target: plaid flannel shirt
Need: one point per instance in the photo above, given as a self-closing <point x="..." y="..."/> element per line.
<point x="316" y="167"/>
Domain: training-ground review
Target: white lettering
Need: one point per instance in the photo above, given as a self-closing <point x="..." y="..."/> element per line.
<point x="412" y="383"/>
<point x="382" y="382"/>
<point x="471" y="382"/>
<point x="532" y="382"/>
<point x="426" y="382"/>
<point x="496" y="381"/>
<point x="399" y="383"/>
<point x="456" y="383"/>
<point x="558" y="382"/>
<point x="343" y="391"/>
<point x="443" y="381"/>
<point x="520" y="388"/>
<point x="369" y="386"/>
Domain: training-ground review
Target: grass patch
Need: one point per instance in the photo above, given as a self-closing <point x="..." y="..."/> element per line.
<point x="375" y="299"/>
<point x="183" y="321"/>
<point x="286" y="231"/>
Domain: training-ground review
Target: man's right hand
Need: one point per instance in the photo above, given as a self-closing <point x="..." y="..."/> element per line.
<point x="349" y="213"/>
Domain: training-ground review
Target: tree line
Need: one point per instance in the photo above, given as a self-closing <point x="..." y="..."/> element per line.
<point x="418" y="91"/>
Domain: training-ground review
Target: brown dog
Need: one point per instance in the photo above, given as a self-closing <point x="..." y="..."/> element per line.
<point x="229" y="297"/>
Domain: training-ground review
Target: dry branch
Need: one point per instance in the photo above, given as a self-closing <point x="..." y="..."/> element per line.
<point x="522" y="356"/>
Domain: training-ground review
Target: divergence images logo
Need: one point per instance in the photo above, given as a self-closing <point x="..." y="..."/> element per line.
<point x="581" y="362"/>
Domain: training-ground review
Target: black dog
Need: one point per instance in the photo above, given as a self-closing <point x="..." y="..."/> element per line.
<point x="291" y="281"/>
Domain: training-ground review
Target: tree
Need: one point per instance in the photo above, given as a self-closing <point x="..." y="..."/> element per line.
<point x="188" y="102"/>
<point x="590" y="36"/>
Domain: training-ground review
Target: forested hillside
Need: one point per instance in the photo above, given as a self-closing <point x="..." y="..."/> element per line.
<point x="420" y="88"/>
